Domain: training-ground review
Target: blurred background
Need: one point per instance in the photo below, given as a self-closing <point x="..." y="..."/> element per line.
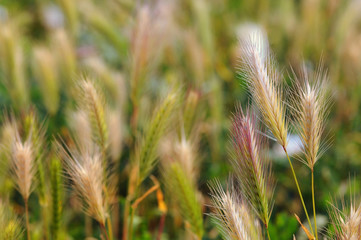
<point x="138" y="50"/>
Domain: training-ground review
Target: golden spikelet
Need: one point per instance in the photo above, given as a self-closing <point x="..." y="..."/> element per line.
<point x="311" y="110"/>
<point x="346" y="222"/>
<point x="93" y="103"/>
<point x="260" y="74"/>
<point x="23" y="166"/>
<point x="86" y="173"/>
<point x="234" y="219"/>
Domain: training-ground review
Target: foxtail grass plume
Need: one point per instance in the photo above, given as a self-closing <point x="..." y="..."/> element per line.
<point x="45" y="70"/>
<point x="92" y="101"/>
<point x="147" y="149"/>
<point x="252" y="168"/>
<point x="149" y="36"/>
<point x="184" y="152"/>
<point x="233" y="217"/>
<point x="346" y="223"/>
<point x="262" y="78"/>
<point x="311" y="109"/>
<point x="85" y="170"/>
<point x="183" y="192"/>
<point x="23" y="166"/>
<point x="81" y="128"/>
<point x="65" y="55"/>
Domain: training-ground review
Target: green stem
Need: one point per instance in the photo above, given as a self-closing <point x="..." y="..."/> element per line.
<point x="267" y="230"/>
<point x="27" y="219"/>
<point x="102" y="227"/>
<point x="131" y="225"/>
<point x="125" y="218"/>
<point x="110" y="231"/>
<point x="313" y="204"/>
<point x="298" y="188"/>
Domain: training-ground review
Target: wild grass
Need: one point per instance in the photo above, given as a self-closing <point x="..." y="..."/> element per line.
<point x="137" y="98"/>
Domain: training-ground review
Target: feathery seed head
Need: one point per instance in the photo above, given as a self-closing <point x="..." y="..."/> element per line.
<point x="346" y="223"/>
<point x="147" y="155"/>
<point x="233" y="217"/>
<point x="45" y="69"/>
<point x="311" y="110"/>
<point x="23" y="166"/>
<point x="86" y="172"/>
<point x="262" y="79"/>
<point x="183" y="191"/>
<point x="183" y="152"/>
<point x="252" y="168"/>
<point x="93" y="103"/>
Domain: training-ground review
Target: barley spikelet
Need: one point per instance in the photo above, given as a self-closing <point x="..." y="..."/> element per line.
<point x="262" y="79"/>
<point x="232" y="216"/>
<point x="251" y="167"/>
<point x="184" y="193"/>
<point x="86" y="173"/>
<point x="147" y="148"/>
<point x="23" y="166"/>
<point x="311" y="110"/>
<point x="93" y="103"/>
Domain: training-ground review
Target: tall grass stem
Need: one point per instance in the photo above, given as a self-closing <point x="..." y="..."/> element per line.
<point x="299" y="190"/>
<point x="313" y="203"/>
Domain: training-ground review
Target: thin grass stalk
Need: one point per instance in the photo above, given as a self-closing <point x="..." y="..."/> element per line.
<point x="27" y="219"/>
<point x="299" y="190"/>
<point x="104" y="231"/>
<point x="269" y="237"/>
<point x="34" y="131"/>
<point x="313" y="203"/>
<point x="56" y="198"/>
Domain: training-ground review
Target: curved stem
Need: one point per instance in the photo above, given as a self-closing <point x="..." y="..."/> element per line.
<point x="27" y="219"/>
<point x="313" y="203"/>
<point x="299" y="190"/>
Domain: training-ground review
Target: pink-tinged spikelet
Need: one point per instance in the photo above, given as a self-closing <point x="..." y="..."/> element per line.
<point x="86" y="173"/>
<point x="252" y="168"/>
<point x="233" y="217"/>
<point x="23" y="166"/>
<point x="311" y="110"/>
<point x="261" y="77"/>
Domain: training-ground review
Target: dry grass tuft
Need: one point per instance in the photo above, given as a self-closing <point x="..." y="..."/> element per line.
<point x="232" y="215"/>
